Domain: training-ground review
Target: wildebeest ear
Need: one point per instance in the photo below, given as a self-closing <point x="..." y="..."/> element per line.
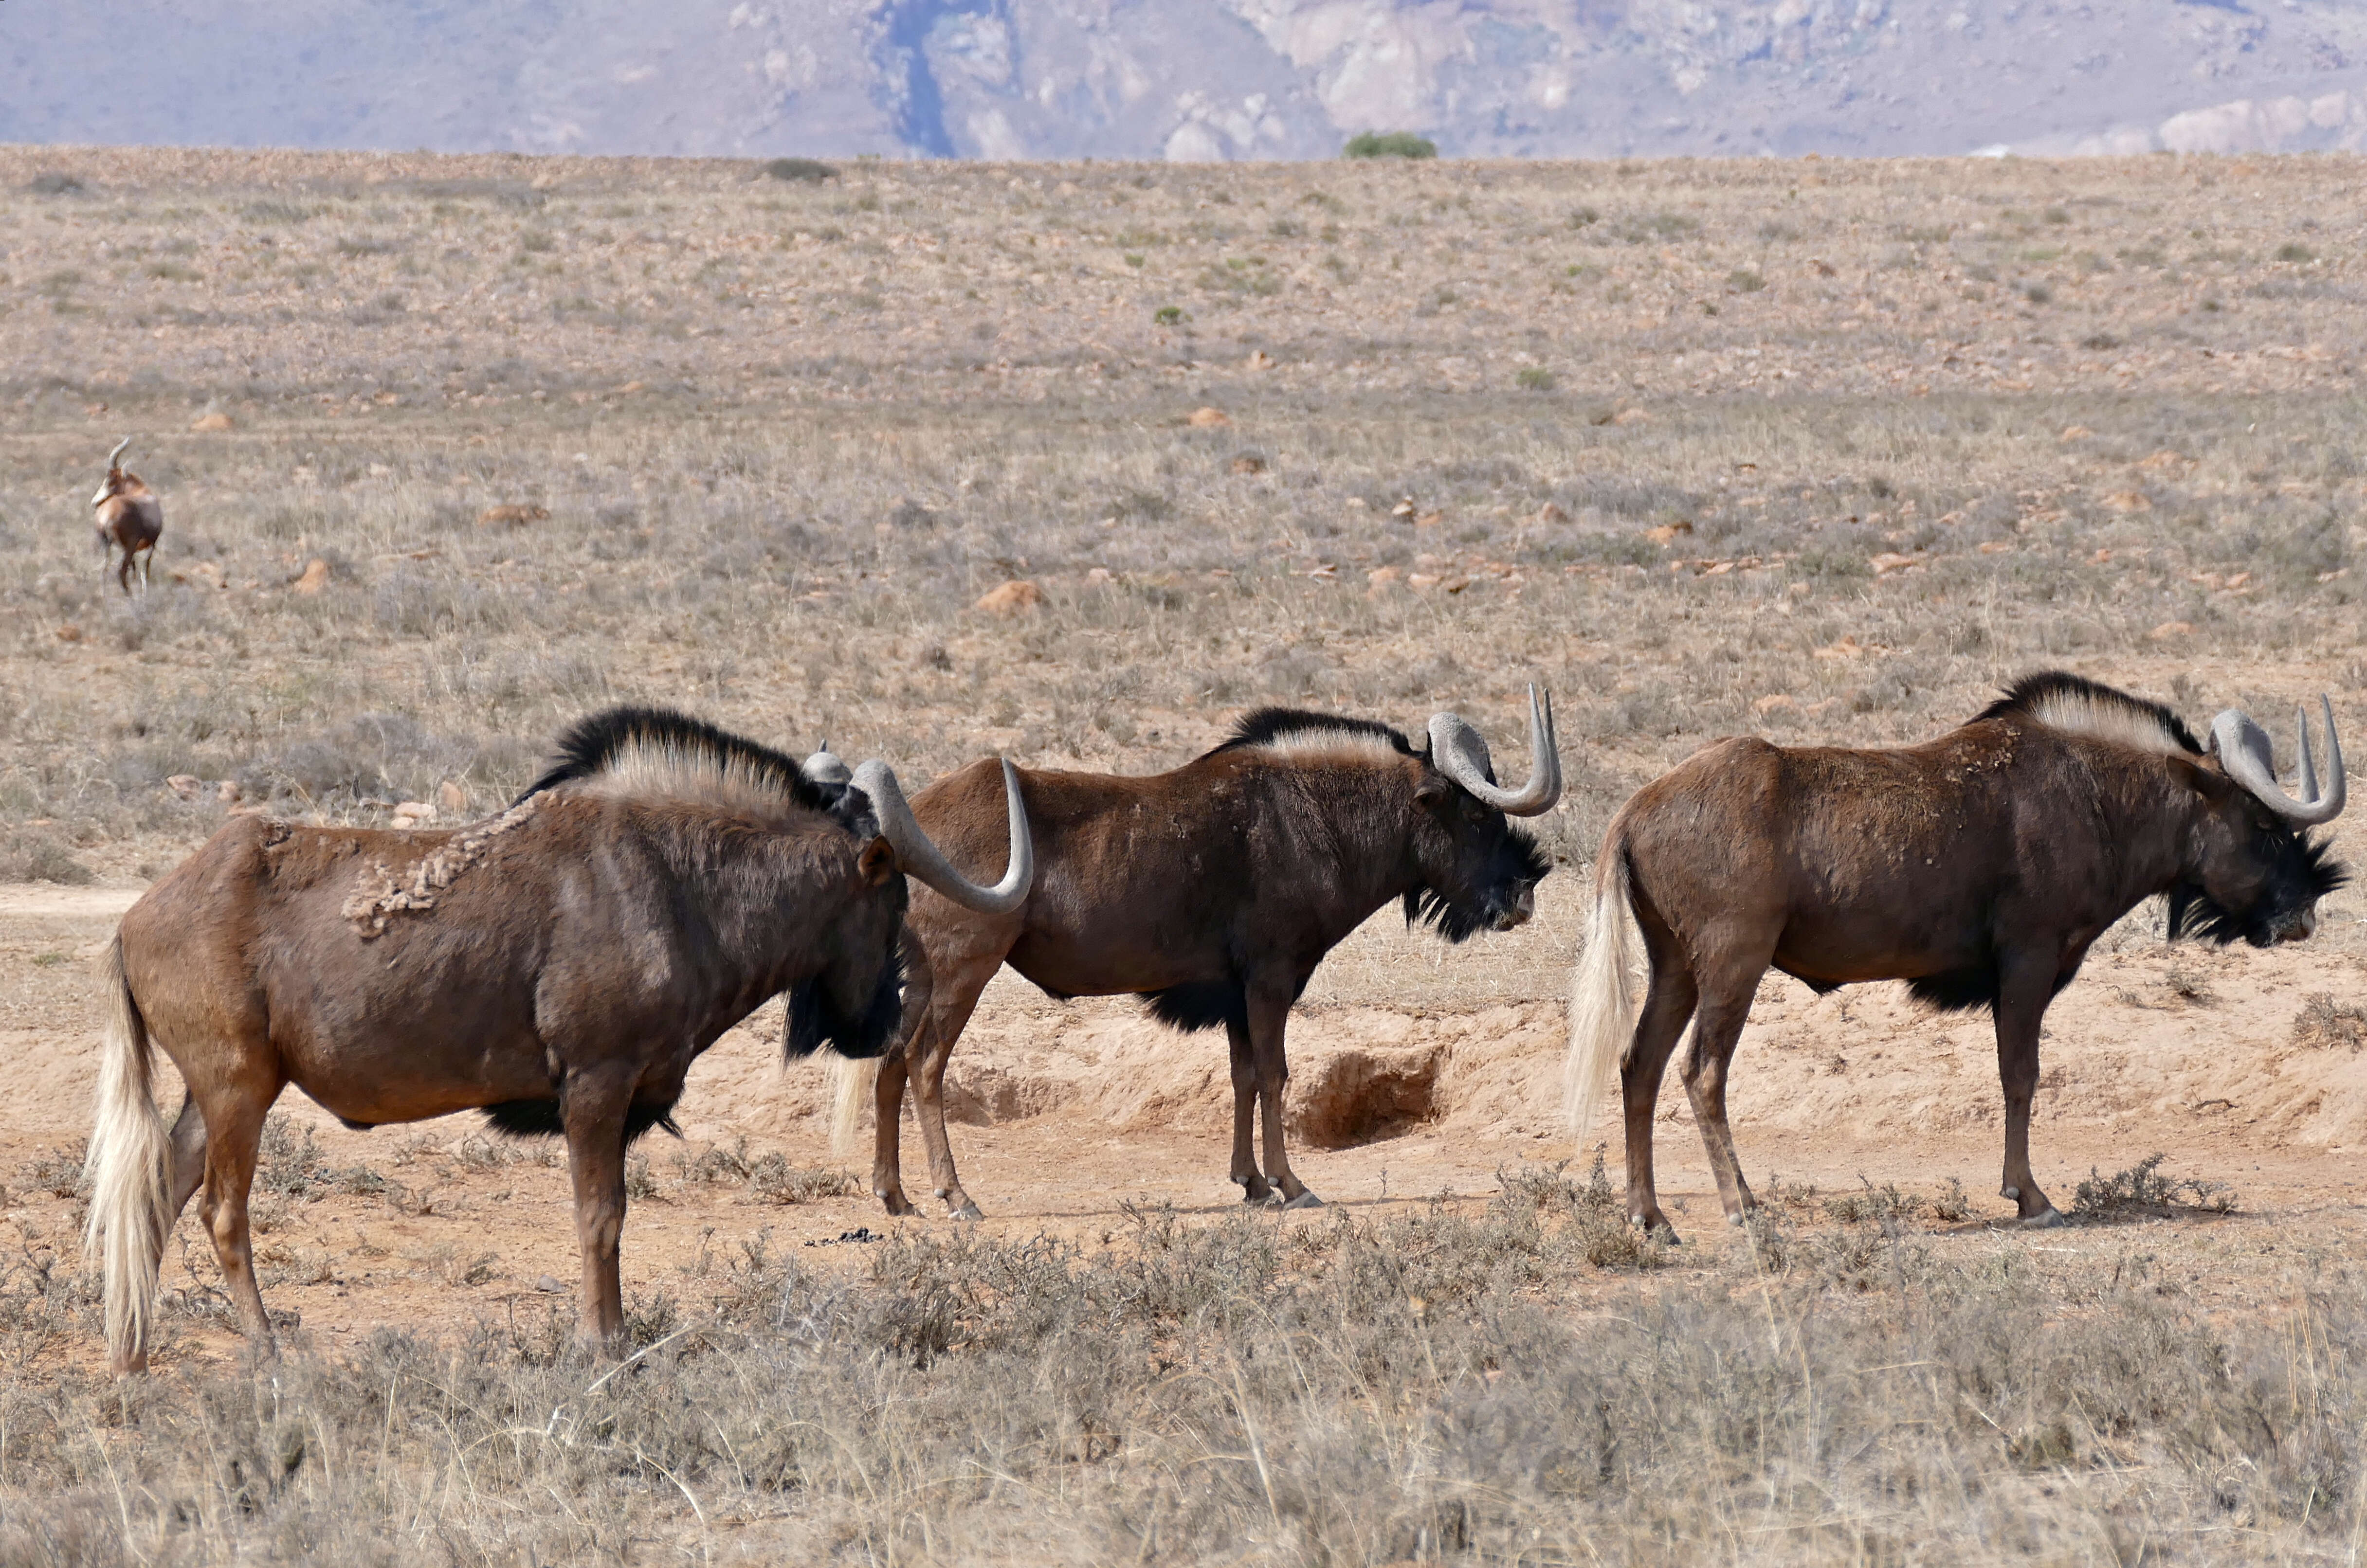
<point x="1432" y="792"/>
<point x="876" y="862"/>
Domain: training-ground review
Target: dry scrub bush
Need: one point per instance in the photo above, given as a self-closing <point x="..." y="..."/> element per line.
<point x="1345" y="1391"/>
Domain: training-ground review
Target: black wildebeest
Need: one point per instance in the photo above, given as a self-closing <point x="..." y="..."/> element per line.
<point x="558" y="966"/>
<point x="1978" y="867"/>
<point x="129" y="518"/>
<point x="1213" y="892"/>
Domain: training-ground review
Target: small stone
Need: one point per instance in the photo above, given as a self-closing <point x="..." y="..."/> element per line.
<point x="1209" y="419"/>
<point x="2127" y="501"/>
<point x="2074" y="433"/>
<point x="1249" y="463"/>
<point x="1775" y="701"/>
<point x="69" y="632"/>
<point x="209" y="424"/>
<point x="315" y="578"/>
<point x="1014" y="597"/>
<point x="1669" y="533"/>
<point x="1630" y="416"/>
<point x="512" y="516"/>
<point x="550" y="1286"/>
<point x="2170" y="631"/>
<point x="411" y="813"/>
<point x="185" y="786"/>
<point x="1259" y="360"/>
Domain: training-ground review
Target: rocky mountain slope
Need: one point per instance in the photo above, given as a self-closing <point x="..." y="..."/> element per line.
<point x="1192" y="79"/>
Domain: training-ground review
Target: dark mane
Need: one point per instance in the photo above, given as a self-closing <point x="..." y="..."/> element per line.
<point x="1267" y="726"/>
<point x="592" y="745"/>
<point x="2054" y="696"/>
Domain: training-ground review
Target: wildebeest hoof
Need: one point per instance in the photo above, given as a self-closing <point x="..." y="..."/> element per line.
<point x="1304" y="1200"/>
<point x="2046" y="1219"/>
<point x="1656" y="1230"/>
<point x="968" y="1211"/>
<point x="896" y="1204"/>
<point x="1256" y="1190"/>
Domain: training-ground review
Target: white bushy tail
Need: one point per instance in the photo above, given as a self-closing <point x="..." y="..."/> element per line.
<point x="1603" y="1000"/>
<point x="853" y="1086"/>
<point x="129" y="1167"/>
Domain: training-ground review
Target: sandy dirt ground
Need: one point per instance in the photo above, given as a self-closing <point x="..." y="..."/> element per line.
<point x="1066" y="1114"/>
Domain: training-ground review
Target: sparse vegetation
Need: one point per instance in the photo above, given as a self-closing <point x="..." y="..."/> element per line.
<point x="2143" y="1190"/>
<point x="804" y="171"/>
<point x="1391" y="144"/>
<point x="2325" y="1023"/>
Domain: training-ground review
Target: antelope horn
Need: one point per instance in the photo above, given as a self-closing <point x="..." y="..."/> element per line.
<point x="923" y="859"/>
<point x="2246" y="756"/>
<point x="1457" y="750"/>
<point x="119" y="445"/>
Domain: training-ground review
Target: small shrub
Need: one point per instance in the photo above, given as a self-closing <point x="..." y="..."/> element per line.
<point x="2143" y="1190"/>
<point x="1169" y="315"/>
<point x="54" y="183"/>
<point x="1743" y="280"/>
<point x="1536" y="378"/>
<point x="775" y="1180"/>
<point x="58" y="1172"/>
<point x="2037" y="293"/>
<point x="35" y="854"/>
<point x="2295" y="253"/>
<point x="641" y="1181"/>
<point x="2323" y="1023"/>
<point x="1391" y="144"/>
<point x="809" y="171"/>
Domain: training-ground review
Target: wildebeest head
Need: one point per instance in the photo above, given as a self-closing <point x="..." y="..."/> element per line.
<point x="1479" y="872"/>
<point x="2252" y="870"/>
<point x="868" y="801"/>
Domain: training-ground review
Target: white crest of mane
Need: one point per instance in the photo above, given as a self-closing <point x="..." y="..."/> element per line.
<point x="1315" y="741"/>
<point x="648" y="768"/>
<point x="2107" y="716"/>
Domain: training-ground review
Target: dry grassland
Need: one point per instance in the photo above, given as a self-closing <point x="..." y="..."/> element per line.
<point x="1821" y="451"/>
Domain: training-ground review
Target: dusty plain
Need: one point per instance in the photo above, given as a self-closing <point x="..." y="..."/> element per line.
<point x="455" y="449"/>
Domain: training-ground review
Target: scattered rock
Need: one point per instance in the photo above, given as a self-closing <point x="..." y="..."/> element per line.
<point x="1630" y="416"/>
<point x="1403" y="509"/>
<point x="1774" y="702"/>
<point x="1017" y="596"/>
<point x="1259" y="360"/>
<point x="2127" y="500"/>
<point x="1249" y="463"/>
<point x="413" y="813"/>
<point x="315" y="578"/>
<point x="2074" y="433"/>
<point x="2165" y="459"/>
<point x="1889" y="561"/>
<point x="1430" y="520"/>
<point x="209" y="423"/>
<point x="550" y="1286"/>
<point x="69" y="632"/>
<point x="1669" y="533"/>
<point x="1381" y="575"/>
<point x="185" y="786"/>
<point x="1209" y="419"/>
<point x="2170" y="631"/>
<point x="512" y="516"/>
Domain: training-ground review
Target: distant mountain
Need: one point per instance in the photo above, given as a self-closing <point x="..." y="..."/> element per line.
<point x="1190" y="79"/>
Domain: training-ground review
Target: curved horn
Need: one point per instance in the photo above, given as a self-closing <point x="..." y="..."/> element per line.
<point x="923" y="859"/>
<point x="2246" y="756"/>
<point x="1456" y="750"/>
<point x="119" y="445"/>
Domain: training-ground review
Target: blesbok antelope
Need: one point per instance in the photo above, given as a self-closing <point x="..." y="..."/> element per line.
<point x="1212" y="891"/>
<point x="1976" y="867"/>
<point x="128" y="517"/>
<point x="558" y="966"/>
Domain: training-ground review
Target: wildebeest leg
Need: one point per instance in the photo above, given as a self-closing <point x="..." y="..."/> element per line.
<point x="2023" y="991"/>
<point x="594" y="1111"/>
<point x="888" y="1089"/>
<point x="232" y="1120"/>
<point x="1667" y="1007"/>
<point x="1717" y="1025"/>
<point x="1268" y="1014"/>
<point x="1245" y="1097"/>
<point x="953" y="998"/>
<point x="188" y="1153"/>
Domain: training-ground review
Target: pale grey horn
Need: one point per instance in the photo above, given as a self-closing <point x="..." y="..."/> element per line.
<point x="2247" y="757"/>
<point x="824" y="769"/>
<point x="923" y="859"/>
<point x="119" y="445"/>
<point x="1456" y="750"/>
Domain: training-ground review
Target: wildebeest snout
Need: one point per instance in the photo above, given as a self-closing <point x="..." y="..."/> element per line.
<point x="2300" y="925"/>
<point x="1517" y="911"/>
